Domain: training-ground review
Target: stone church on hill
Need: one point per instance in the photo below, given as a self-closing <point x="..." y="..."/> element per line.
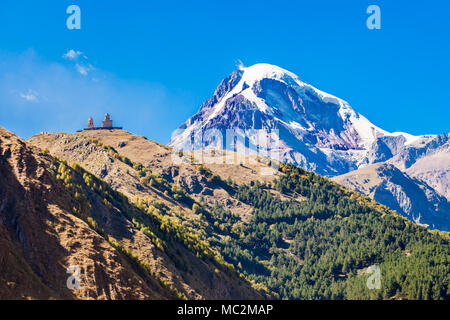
<point x="106" y="124"/>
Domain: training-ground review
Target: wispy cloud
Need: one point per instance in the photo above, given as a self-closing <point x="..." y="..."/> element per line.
<point x="80" y="60"/>
<point x="240" y="64"/>
<point x="84" y="69"/>
<point x="63" y="100"/>
<point x="30" y="96"/>
<point x="72" y="54"/>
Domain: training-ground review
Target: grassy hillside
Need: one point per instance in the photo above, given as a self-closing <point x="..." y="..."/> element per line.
<point x="67" y="216"/>
<point x="410" y="197"/>
<point x="302" y="236"/>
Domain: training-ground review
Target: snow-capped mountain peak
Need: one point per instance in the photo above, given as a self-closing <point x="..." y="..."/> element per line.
<point x="317" y="130"/>
<point x="258" y="72"/>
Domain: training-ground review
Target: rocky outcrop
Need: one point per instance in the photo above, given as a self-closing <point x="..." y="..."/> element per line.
<point x="428" y="161"/>
<point x="409" y="196"/>
<point x="191" y="183"/>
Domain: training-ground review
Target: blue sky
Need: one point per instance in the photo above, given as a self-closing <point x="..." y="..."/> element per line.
<point x="151" y="64"/>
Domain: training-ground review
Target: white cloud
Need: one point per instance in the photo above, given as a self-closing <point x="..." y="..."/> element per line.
<point x="30" y="96"/>
<point x="240" y="64"/>
<point x="80" y="60"/>
<point x="73" y="55"/>
<point x="84" y="69"/>
<point x="62" y="99"/>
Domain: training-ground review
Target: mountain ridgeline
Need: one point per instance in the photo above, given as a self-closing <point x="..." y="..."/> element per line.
<point x="316" y="130"/>
<point x="292" y="235"/>
<point x="324" y="134"/>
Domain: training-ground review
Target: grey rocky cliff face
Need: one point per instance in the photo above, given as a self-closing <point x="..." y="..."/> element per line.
<point x="429" y="145"/>
<point x="409" y="196"/>
<point x="385" y="148"/>
<point x="240" y="113"/>
<point x="429" y="162"/>
<point x="412" y="198"/>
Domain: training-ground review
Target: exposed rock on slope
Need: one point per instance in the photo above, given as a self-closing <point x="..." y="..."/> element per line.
<point x="86" y="149"/>
<point x="428" y="161"/>
<point x="41" y="237"/>
<point x="415" y="181"/>
<point x="307" y="238"/>
<point x="54" y="216"/>
<point x="409" y="196"/>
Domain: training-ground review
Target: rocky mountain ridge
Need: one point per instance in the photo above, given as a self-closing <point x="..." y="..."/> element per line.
<point x="322" y="133"/>
<point x="313" y="129"/>
<point x="409" y="196"/>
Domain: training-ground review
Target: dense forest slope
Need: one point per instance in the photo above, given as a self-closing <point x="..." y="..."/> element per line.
<point x="55" y="215"/>
<point x="295" y="233"/>
<point x="322" y="246"/>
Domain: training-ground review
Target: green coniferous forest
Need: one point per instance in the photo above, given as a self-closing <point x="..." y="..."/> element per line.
<point x="320" y="242"/>
<point x="307" y="238"/>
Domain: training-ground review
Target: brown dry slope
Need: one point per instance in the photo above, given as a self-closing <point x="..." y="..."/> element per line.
<point x="88" y="149"/>
<point x="40" y="237"/>
<point x="54" y="216"/>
